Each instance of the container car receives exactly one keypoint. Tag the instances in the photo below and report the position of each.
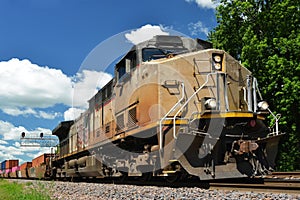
(14, 172)
(9, 164)
(24, 169)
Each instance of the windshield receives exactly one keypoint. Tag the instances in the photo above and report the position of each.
(155, 53)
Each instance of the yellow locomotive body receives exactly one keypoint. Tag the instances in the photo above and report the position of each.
(176, 107)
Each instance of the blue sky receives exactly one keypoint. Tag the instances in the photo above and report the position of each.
(46, 48)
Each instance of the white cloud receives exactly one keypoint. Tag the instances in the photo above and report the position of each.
(14, 111)
(144, 33)
(3, 142)
(72, 113)
(21, 153)
(197, 28)
(205, 3)
(17, 144)
(11, 132)
(26, 87)
(37, 152)
(86, 85)
(45, 115)
(24, 84)
(13, 150)
(10, 143)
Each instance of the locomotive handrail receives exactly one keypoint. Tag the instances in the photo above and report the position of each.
(254, 94)
(249, 94)
(188, 100)
(276, 117)
(166, 115)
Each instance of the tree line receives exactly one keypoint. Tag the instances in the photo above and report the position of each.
(265, 36)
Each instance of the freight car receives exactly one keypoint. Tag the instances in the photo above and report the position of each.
(24, 169)
(9, 168)
(40, 166)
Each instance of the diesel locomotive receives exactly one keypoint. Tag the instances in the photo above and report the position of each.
(175, 108)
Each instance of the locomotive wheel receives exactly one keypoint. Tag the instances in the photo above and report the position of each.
(145, 177)
(173, 178)
(124, 177)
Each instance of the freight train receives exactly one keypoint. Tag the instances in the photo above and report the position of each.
(38, 168)
(175, 108)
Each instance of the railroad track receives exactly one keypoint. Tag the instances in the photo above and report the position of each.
(285, 175)
(278, 182)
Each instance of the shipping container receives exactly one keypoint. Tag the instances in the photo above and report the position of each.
(7, 171)
(14, 172)
(41, 159)
(26, 165)
(11, 163)
(16, 168)
(24, 173)
(31, 172)
(40, 172)
(3, 165)
(19, 174)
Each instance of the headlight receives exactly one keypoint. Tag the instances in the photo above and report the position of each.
(210, 104)
(217, 58)
(217, 61)
(263, 105)
(217, 66)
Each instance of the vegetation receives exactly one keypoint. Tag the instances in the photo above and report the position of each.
(265, 36)
(16, 191)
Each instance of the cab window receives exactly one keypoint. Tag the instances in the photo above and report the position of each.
(126, 65)
(152, 54)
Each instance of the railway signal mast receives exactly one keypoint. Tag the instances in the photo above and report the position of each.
(35, 141)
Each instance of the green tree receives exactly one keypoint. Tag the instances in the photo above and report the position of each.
(265, 36)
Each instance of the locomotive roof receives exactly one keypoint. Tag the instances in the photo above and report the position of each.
(174, 42)
(179, 43)
(62, 129)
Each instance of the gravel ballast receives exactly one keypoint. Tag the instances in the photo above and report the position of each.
(72, 191)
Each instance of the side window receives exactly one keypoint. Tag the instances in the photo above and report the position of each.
(120, 122)
(121, 71)
(126, 65)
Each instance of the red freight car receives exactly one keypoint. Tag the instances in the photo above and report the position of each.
(39, 166)
(24, 169)
(41, 159)
(14, 172)
(11, 163)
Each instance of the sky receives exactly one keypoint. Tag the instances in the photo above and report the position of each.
(56, 54)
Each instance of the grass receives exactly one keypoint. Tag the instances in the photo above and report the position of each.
(21, 191)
